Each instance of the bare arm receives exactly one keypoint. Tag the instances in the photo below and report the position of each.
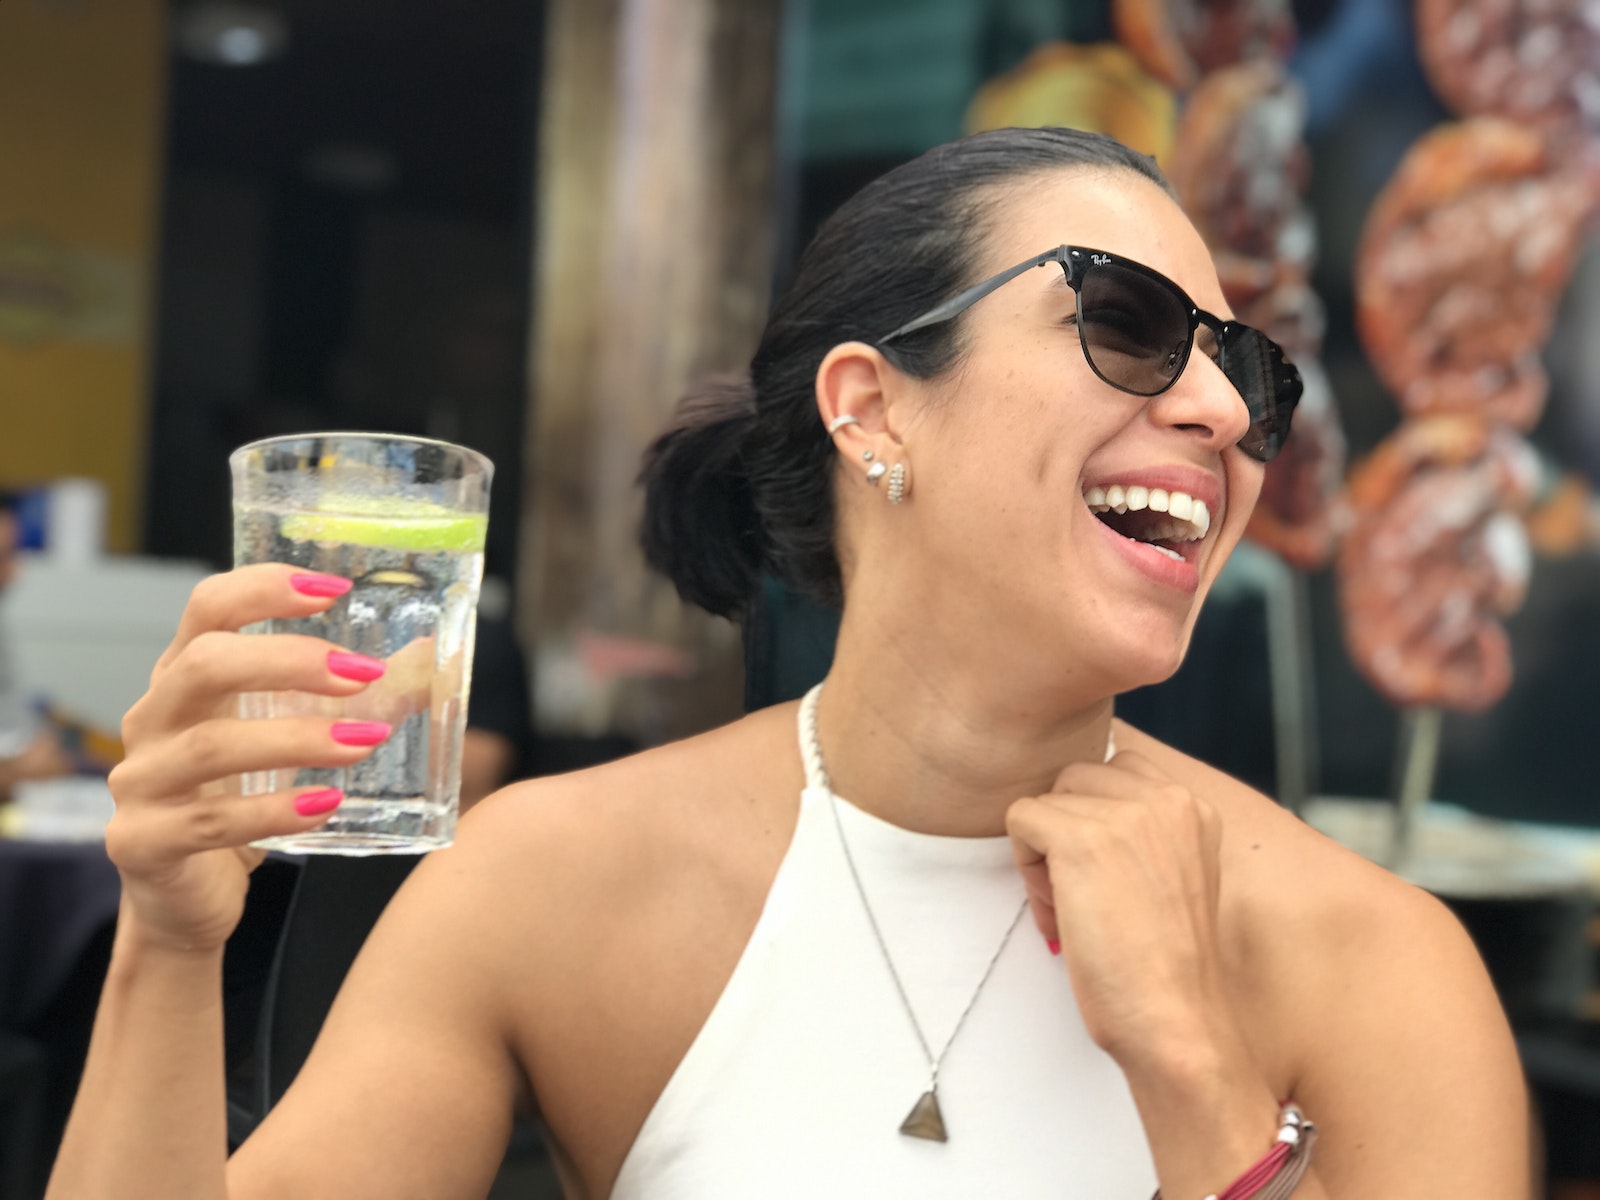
(151, 1111)
(1367, 1002)
(410, 1089)
(1410, 1065)
(149, 1121)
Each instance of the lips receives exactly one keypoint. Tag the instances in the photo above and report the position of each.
(1157, 519)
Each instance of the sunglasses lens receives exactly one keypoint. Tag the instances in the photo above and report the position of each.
(1135, 330)
(1269, 384)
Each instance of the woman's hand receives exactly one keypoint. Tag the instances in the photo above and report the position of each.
(181, 833)
(1121, 865)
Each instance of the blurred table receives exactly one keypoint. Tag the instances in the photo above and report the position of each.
(58, 891)
(55, 897)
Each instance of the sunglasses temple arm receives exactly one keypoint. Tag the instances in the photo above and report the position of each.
(962, 301)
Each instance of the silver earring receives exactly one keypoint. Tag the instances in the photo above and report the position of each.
(841, 421)
(867, 456)
(876, 472)
(897, 483)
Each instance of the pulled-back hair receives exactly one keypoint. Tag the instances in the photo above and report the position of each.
(741, 481)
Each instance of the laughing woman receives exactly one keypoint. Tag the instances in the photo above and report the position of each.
(946, 928)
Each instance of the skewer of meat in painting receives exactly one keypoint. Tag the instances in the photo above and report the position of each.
(1464, 258)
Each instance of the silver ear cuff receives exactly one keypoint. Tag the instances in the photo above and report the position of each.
(841, 421)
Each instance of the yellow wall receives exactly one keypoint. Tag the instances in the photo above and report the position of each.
(82, 90)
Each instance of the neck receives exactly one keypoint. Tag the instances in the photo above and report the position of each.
(930, 746)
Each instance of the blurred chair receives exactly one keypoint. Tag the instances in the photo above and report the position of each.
(334, 904)
(23, 1065)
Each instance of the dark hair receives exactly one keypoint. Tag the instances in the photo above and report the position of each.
(741, 481)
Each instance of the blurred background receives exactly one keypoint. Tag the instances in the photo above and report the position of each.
(525, 226)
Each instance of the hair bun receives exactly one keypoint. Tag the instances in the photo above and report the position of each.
(700, 525)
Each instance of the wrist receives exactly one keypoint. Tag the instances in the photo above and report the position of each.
(1207, 1108)
(139, 943)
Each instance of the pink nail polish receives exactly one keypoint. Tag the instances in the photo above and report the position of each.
(360, 733)
(355, 666)
(314, 804)
(320, 585)
(1053, 944)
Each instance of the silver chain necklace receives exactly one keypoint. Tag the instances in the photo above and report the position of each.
(925, 1120)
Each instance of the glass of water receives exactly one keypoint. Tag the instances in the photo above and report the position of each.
(404, 520)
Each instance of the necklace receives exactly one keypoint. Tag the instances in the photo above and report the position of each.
(925, 1120)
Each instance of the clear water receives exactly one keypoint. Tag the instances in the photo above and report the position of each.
(414, 609)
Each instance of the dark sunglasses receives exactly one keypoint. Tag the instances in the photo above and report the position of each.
(1137, 329)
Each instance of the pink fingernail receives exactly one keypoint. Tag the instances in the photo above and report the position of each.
(320, 585)
(314, 804)
(360, 733)
(355, 666)
(1054, 945)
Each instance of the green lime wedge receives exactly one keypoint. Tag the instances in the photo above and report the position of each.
(456, 533)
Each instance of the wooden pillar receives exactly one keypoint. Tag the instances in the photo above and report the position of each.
(654, 261)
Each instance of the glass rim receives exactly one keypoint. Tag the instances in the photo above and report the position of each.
(477, 457)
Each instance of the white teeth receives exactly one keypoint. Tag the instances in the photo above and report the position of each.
(1191, 518)
(1172, 554)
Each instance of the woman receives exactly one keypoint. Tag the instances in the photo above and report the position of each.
(1092, 964)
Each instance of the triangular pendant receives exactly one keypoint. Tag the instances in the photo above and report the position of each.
(926, 1121)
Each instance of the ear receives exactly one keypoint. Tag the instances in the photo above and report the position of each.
(855, 380)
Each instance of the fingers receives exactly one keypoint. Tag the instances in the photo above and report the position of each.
(225, 746)
(245, 595)
(215, 665)
(1031, 824)
(1127, 773)
(145, 839)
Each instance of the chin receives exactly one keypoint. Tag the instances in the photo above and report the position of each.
(1140, 657)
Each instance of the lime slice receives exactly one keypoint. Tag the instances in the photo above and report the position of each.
(439, 531)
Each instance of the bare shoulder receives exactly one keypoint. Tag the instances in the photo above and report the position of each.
(1274, 861)
(688, 806)
(1368, 998)
(622, 898)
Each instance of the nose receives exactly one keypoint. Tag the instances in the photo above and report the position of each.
(1203, 403)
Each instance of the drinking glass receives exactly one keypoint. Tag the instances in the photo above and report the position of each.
(404, 520)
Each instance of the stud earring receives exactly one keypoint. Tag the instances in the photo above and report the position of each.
(867, 456)
(876, 472)
(897, 483)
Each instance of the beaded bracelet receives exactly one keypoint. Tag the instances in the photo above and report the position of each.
(1275, 1175)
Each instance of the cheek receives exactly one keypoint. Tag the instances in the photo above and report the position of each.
(1245, 477)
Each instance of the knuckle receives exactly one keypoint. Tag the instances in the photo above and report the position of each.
(133, 722)
(205, 746)
(206, 595)
(120, 840)
(208, 825)
(204, 659)
(121, 779)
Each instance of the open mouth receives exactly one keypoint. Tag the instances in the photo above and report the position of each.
(1171, 522)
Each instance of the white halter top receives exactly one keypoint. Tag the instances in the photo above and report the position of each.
(796, 1085)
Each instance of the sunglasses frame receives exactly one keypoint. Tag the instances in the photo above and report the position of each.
(1077, 263)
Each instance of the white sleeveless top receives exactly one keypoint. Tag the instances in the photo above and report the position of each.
(796, 1085)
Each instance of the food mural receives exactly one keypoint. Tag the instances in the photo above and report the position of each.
(1463, 261)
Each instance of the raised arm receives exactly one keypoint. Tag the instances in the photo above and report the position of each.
(150, 1117)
